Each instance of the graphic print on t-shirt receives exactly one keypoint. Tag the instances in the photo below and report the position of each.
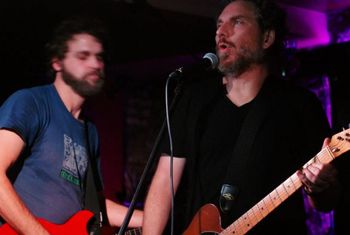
(75, 161)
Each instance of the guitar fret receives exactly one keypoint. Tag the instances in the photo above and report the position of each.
(240, 224)
(235, 228)
(251, 218)
(262, 209)
(265, 206)
(318, 158)
(257, 211)
(248, 223)
(291, 180)
(273, 199)
(286, 191)
(278, 194)
(329, 155)
(244, 224)
(282, 192)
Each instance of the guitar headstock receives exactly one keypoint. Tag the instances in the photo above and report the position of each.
(340, 143)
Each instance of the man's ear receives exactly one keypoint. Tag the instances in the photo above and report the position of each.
(269, 38)
(56, 64)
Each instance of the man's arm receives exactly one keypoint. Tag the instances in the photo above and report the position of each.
(116, 214)
(12, 209)
(157, 206)
(321, 184)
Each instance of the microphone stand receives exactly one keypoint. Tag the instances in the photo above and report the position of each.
(176, 74)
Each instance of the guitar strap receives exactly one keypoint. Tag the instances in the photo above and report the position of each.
(91, 200)
(238, 164)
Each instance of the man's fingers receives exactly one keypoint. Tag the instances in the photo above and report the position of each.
(326, 142)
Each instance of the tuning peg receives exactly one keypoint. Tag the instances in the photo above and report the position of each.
(333, 150)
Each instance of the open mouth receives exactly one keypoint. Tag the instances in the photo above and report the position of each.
(222, 45)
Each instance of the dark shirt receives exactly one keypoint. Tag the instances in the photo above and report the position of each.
(205, 129)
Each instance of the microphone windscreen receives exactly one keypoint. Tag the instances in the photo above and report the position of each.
(214, 61)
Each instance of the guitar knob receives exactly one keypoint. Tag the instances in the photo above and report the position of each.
(333, 150)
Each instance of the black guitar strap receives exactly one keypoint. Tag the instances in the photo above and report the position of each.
(238, 164)
(91, 200)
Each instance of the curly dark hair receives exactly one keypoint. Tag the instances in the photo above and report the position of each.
(270, 16)
(66, 30)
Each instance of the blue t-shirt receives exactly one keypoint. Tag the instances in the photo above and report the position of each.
(55, 160)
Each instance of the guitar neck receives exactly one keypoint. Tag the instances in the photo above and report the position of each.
(264, 207)
(135, 231)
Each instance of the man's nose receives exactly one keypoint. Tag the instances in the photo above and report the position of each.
(96, 62)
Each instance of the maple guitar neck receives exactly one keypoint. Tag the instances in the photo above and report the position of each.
(265, 206)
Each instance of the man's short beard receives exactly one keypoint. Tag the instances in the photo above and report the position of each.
(244, 60)
(83, 87)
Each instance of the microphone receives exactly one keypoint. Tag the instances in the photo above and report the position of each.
(208, 62)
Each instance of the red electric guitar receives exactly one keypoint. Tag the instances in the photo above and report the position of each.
(207, 219)
(76, 225)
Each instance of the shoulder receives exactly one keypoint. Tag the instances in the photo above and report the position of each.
(26, 104)
(29, 94)
(40, 92)
(203, 88)
(292, 93)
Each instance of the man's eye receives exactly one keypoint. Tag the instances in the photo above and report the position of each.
(82, 57)
(238, 21)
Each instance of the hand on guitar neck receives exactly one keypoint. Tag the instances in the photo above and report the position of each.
(320, 183)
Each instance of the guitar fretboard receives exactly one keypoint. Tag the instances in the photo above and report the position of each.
(135, 231)
(264, 207)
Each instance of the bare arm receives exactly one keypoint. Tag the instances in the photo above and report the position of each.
(157, 206)
(12, 209)
(321, 184)
(117, 212)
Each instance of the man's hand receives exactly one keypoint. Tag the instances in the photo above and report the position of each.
(321, 183)
(318, 177)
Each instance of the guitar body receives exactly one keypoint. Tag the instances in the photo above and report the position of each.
(76, 225)
(206, 221)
